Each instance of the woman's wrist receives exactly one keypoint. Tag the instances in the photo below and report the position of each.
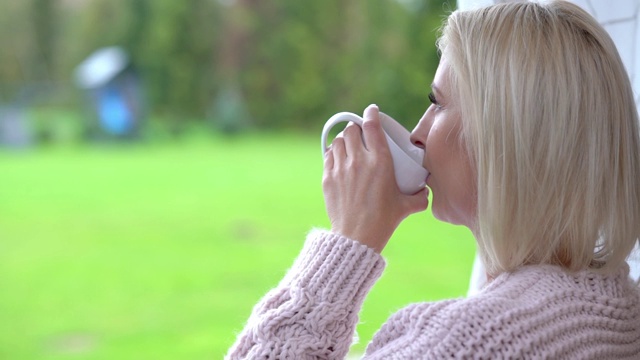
(373, 238)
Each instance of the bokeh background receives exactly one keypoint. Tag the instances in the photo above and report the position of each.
(161, 166)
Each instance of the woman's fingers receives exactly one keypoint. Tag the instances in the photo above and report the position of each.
(328, 160)
(363, 201)
(372, 130)
(353, 140)
(338, 151)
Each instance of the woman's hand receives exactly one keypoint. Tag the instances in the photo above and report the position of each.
(361, 195)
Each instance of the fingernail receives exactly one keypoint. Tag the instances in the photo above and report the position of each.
(372, 107)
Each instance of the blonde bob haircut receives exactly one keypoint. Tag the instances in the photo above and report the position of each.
(552, 130)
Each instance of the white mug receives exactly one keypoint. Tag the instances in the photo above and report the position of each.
(407, 158)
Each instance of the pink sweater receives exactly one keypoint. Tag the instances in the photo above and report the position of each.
(535, 312)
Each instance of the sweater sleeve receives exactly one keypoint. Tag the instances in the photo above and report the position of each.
(313, 312)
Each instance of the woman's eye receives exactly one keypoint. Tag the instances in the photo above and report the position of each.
(433, 100)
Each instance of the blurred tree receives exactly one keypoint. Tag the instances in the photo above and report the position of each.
(288, 63)
(309, 60)
(44, 21)
(413, 73)
(230, 111)
(178, 54)
(302, 59)
(170, 44)
(135, 36)
(17, 49)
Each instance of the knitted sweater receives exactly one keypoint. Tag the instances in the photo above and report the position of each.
(535, 312)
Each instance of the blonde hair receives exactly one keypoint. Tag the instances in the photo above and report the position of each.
(551, 126)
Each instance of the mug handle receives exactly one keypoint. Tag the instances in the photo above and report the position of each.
(335, 119)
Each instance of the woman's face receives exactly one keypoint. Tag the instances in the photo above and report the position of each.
(452, 180)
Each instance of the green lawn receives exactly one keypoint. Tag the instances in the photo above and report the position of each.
(160, 251)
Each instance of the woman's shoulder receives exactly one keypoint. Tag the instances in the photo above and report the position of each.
(532, 283)
(535, 311)
(545, 298)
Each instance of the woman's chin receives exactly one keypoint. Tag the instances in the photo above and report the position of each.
(438, 213)
(445, 216)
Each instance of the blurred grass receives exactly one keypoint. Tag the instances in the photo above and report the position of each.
(159, 251)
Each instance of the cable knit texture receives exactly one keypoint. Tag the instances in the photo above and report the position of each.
(537, 312)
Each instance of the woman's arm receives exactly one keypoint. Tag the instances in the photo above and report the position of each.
(313, 312)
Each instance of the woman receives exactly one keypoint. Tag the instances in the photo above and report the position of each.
(532, 142)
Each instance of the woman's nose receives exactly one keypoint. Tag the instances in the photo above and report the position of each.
(419, 134)
(415, 140)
